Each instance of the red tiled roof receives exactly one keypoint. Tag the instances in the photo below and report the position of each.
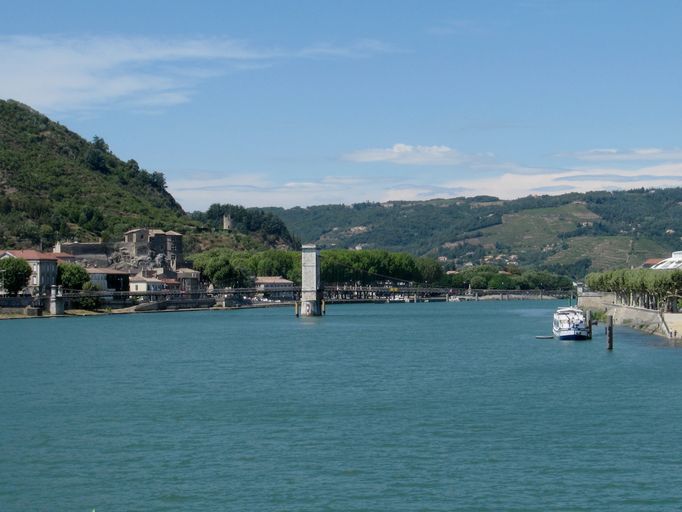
(30, 254)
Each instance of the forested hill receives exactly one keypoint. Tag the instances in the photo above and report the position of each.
(55, 185)
(573, 232)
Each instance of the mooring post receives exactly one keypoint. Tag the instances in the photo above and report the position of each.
(609, 332)
(296, 308)
(589, 324)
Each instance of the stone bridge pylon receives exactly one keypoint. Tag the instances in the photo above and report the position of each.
(311, 286)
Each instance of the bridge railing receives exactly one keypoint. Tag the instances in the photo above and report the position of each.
(329, 291)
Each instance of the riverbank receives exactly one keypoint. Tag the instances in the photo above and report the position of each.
(646, 320)
(132, 311)
(18, 314)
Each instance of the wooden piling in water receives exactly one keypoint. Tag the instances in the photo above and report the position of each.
(589, 324)
(609, 333)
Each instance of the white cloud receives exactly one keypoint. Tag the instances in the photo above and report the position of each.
(359, 49)
(198, 192)
(456, 27)
(623, 155)
(421, 192)
(56, 73)
(511, 185)
(406, 154)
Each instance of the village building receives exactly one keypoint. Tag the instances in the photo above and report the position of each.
(170, 283)
(275, 287)
(151, 243)
(650, 262)
(184, 279)
(190, 279)
(109, 279)
(43, 269)
(88, 254)
(140, 283)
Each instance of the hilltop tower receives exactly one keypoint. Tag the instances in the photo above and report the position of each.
(227, 222)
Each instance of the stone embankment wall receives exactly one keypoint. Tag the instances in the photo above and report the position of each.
(165, 305)
(17, 306)
(638, 318)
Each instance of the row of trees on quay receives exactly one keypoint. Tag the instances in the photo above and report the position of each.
(645, 288)
(491, 277)
(228, 268)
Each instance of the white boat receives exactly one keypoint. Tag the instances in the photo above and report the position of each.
(570, 324)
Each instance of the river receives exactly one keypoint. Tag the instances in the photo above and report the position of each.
(388, 407)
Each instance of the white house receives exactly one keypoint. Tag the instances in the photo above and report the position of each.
(43, 268)
(275, 287)
(140, 283)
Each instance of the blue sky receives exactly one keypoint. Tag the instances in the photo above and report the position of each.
(267, 103)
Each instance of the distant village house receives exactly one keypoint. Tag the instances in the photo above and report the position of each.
(43, 268)
(275, 287)
(109, 279)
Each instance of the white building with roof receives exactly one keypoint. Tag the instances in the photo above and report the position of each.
(43, 268)
(275, 287)
(139, 283)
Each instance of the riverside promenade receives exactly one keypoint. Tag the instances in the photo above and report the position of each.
(668, 325)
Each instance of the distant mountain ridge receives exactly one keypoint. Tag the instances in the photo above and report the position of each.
(571, 233)
(55, 185)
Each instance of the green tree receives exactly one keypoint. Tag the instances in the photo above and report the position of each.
(14, 274)
(96, 160)
(72, 276)
(430, 270)
(501, 282)
(99, 144)
(158, 180)
(90, 302)
(478, 282)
